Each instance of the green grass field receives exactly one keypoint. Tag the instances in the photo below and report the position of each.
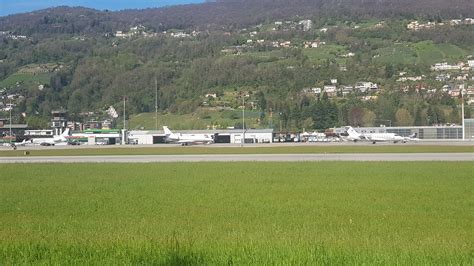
(31, 79)
(425, 52)
(321, 54)
(199, 120)
(237, 213)
(171, 149)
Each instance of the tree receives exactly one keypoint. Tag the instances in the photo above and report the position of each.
(403, 117)
(261, 101)
(389, 71)
(37, 122)
(368, 118)
(356, 116)
(308, 124)
(454, 116)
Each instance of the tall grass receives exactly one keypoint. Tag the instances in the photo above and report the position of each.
(236, 213)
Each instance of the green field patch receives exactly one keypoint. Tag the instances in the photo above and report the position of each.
(401, 213)
(26, 78)
(427, 53)
(202, 119)
(431, 53)
(325, 52)
(171, 149)
(367, 23)
(275, 54)
(396, 54)
(452, 51)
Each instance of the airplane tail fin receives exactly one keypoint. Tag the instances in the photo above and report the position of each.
(66, 132)
(352, 133)
(413, 136)
(169, 134)
(167, 131)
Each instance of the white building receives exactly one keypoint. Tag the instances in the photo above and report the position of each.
(307, 24)
(445, 66)
(232, 136)
(364, 86)
(330, 90)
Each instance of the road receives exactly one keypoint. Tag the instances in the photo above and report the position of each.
(369, 157)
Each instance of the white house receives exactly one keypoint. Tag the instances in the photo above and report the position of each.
(331, 90)
(445, 66)
(364, 86)
(307, 24)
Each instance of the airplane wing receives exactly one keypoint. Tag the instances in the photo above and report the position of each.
(373, 138)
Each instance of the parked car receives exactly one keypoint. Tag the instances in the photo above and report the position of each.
(47, 144)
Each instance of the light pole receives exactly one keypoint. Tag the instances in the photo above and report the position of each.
(124, 133)
(280, 114)
(243, 120)
(156, 104)
(11, 107)
(462, 115)
(124, 100)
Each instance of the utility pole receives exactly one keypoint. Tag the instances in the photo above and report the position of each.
(243, 120)
(156, 104)
(280, 122)
(11, 107)
(462, 115)
(124, 121)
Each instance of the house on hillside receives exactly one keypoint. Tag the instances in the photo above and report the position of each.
(211, 95)
(470, 63)
(307, 24)
(346, 90)
(365, 86)
(330, 90)
(445, 66)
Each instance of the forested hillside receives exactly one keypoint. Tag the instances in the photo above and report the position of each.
(229, 14)
(203, 58)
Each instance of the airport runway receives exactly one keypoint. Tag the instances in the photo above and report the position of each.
(368, 157)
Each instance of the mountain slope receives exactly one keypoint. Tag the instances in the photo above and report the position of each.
(225, 13)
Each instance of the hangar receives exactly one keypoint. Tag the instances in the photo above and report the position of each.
(233, 136)
(424, 132)
(99, 136)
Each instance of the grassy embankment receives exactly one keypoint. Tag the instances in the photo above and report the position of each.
(172, 149)
(237, 213)
(198, 120)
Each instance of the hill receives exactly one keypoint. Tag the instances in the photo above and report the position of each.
(312, 64)
(228, 14)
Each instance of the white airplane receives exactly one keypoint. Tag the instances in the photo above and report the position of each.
(23, 143)
(355, 136)
(187, 139)
(55, 140)
(8, 145)
(412, 137)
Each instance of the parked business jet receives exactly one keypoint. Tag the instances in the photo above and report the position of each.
(55, 140)
(355, 136)
(187, 139)
(412, 137)
(23, 143)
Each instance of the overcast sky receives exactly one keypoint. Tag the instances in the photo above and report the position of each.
(8, 7)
